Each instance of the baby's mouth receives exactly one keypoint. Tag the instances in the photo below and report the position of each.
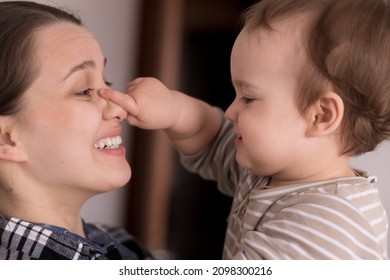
(109, 143)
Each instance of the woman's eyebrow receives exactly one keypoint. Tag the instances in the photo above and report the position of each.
(84, 65)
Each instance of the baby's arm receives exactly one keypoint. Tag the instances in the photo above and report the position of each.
(191, 124)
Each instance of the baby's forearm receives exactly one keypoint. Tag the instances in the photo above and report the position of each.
(197, 124)
(189, 122)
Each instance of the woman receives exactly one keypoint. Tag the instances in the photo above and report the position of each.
(60, 141)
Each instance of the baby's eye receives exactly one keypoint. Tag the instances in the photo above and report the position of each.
(246, 100)
(86, 92)
(109, 84)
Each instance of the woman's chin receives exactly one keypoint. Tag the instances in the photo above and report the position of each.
(118, 178)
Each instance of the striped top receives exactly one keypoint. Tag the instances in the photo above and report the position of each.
(336, 219)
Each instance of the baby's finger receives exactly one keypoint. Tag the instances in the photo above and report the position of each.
(123, 100)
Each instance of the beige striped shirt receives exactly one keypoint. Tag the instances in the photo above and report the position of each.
(335, 219)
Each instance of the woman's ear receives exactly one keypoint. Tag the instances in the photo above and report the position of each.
(325, 115)
(10, 149)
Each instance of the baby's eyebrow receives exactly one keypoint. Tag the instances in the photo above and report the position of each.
(240, 83)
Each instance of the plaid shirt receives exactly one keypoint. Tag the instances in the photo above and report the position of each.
(21, 240)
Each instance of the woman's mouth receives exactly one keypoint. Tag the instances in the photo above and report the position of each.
(109, 143)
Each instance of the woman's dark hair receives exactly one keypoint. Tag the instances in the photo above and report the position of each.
(19, 21)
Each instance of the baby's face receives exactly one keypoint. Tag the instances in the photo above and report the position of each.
(270, 129)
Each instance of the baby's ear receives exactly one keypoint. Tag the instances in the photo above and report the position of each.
(325, 115)
(10, 149)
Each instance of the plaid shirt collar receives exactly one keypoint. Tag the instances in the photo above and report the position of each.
(24, 240)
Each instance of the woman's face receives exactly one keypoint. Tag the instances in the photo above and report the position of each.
(64, 123)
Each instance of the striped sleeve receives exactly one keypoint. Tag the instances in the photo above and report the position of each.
(217, 162)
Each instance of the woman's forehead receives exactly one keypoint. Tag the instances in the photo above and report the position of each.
(63, 46)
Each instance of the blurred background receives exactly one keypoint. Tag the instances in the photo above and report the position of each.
(186, 44)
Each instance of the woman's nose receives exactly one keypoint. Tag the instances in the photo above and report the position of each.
(113, 111)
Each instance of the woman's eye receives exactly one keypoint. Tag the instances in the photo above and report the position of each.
(246, 100)
(86, 92)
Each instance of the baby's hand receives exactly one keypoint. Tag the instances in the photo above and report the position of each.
(148, 102)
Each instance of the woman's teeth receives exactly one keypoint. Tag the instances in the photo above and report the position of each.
(109, 143)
